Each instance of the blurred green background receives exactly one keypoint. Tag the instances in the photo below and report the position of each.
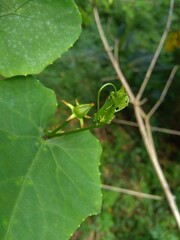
(136, 26)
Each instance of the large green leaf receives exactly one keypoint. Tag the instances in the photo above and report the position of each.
(33, 33)
(47, 187)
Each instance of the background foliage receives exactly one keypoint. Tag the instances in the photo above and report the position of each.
(138, 26)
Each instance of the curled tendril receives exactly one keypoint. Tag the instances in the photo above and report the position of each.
(100, 90)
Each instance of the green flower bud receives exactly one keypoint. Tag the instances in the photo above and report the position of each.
(81, 110)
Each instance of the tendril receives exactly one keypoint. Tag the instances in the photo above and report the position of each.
(99, 93)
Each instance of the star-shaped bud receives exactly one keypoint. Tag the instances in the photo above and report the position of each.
(79, 111)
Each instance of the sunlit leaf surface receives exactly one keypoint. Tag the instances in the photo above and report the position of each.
(33, 33)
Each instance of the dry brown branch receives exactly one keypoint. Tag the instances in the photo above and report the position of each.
(164, 92)
(110, 78)
(153, 128)
(141, 117)
(148, 141)
(130, 192)
(158, 51)
(116, 49)
(114, 63)
(165, 130)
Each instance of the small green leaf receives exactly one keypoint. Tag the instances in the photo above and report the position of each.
(35, 33)
(47, 187)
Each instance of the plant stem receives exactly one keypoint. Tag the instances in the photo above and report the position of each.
(72, 132)
(58, 128)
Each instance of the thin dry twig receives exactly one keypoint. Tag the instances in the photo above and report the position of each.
(165, 130)
(114, 63)
(110, 78)
(164, 92)
(130, 192)
(157, 53)
(116, 49)
(153, 128)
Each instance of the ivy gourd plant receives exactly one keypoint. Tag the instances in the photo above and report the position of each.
(115, 102)
(49, 182)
